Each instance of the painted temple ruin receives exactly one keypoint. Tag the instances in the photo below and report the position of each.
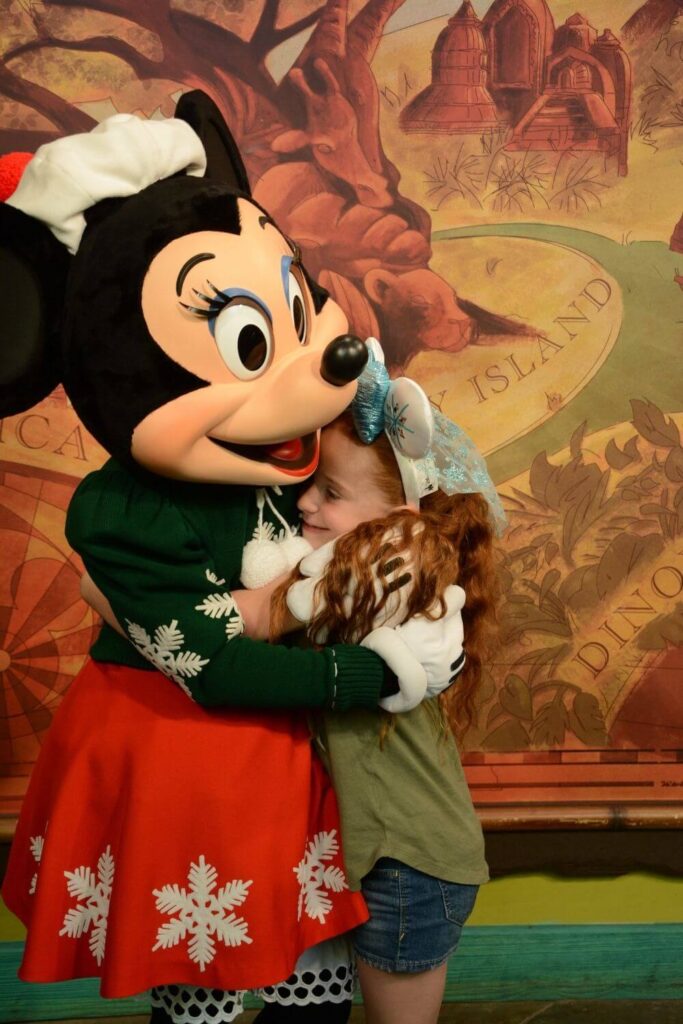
(556, 88)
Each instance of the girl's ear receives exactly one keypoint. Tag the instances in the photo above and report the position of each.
(33, 271)
(224, 162)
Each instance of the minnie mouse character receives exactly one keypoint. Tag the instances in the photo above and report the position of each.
(160, 843)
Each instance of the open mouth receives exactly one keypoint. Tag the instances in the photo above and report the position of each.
(298, 456)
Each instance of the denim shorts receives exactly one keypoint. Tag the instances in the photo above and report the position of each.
(415, 919)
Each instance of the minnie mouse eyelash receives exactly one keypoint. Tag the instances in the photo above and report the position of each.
(217, 302)
(297, 259)
(221, 300)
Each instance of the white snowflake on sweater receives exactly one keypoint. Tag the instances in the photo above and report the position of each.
(219, 606)
(90, 914)
(267, 531)
(314, 877)
(213, 578)
(202, 914)
(164, 651)
(36, 843)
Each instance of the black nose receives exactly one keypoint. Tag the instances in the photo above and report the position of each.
(343, 360)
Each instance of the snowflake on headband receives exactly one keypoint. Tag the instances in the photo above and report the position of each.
(396, 420)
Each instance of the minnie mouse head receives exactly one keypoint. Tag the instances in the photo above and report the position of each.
(184, 327)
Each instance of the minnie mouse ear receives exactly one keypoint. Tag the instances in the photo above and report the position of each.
(33, 269)
(224, 162)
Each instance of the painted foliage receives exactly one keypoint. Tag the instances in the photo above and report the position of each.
(493, 189)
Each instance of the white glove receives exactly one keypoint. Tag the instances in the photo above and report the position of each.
(300, 595)
(316, 561)
(424, 655)
(392, 570)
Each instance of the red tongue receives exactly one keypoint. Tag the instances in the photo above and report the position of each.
(287, 451)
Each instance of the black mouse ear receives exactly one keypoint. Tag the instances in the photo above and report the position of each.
(33, 270)
(224, 162)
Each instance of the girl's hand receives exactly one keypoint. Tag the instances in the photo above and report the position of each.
(301, 595)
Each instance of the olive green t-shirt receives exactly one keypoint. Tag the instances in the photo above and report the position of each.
(407, 799)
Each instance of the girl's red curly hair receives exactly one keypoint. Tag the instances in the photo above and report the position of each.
(450, 540)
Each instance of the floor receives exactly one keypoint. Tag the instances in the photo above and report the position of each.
(631, 1012)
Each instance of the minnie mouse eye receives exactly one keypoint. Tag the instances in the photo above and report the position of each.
(244, 338)
(297, 306)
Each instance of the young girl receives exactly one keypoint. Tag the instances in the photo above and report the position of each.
(412, 841)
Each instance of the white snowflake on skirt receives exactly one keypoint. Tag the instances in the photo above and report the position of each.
(36, 843)
(202, 914)
(314, 877)
(91, 914)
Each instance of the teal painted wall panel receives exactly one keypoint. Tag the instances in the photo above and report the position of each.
(554, 962)
(507, 963)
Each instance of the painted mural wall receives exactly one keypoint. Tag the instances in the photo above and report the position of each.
(494, 190)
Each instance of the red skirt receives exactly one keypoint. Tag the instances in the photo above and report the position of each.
(161, 843)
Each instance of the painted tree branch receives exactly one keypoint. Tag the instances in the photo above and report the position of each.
(365, 30)
(193, 48)
(63, 115)
(222, 49)
(119, 8)
(329, 35)
(152, 14)
(181, 60)
(266, 36)
(143, 66)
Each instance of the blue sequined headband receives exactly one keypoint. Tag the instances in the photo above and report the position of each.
(432, 452)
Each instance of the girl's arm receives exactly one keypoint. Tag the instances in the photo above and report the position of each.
(255, 606)
(93, 596)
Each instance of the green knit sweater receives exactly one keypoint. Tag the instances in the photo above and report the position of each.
(166, 554)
